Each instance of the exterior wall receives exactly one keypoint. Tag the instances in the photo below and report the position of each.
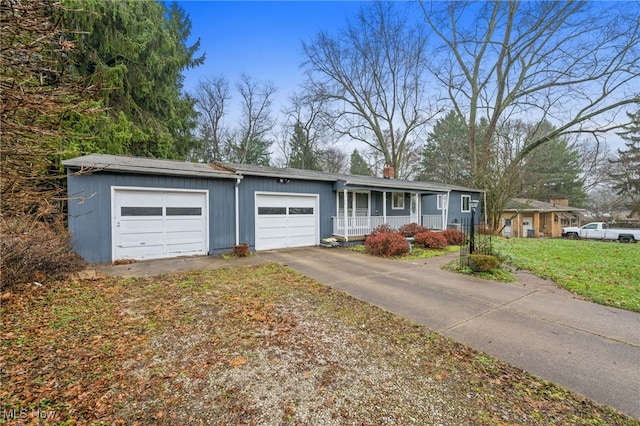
(377, 204)
(455, 213)
(252, 184)
(544, 223)
(90, 209)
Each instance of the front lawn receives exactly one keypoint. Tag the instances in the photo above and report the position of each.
(250, 345)
(604, 272)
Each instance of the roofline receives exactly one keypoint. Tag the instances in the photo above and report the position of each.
(141, 165)
(97, 163)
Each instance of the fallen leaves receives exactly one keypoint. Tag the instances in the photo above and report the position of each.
(245, 346)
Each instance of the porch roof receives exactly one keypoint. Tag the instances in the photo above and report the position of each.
(377, 183)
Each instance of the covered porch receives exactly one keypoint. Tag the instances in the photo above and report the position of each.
(366, 210)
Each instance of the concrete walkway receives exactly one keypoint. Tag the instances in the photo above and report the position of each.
(590, 349)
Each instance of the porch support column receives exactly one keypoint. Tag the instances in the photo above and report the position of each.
(346, 215)
(384, 206)
(446, 210)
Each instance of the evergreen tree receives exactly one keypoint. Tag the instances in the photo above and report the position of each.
(627, 165)
(358, 165)
(302, 153)
(553, 170)
(445, 157)
(134, 52)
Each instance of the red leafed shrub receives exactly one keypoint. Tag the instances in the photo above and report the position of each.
(454, 237)
(386, 244)
(411, 229)
(383, 229)
(432, 240)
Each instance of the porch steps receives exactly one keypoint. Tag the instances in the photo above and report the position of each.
(351, 238)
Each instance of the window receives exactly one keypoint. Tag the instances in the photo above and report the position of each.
(507, 222)
(184, 211)
(442, 201)
(300, 210)
(397, 201)
(358, 206)
(272, 210)
(141, 211)
(466, 203)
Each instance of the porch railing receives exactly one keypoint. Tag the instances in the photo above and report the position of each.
(363, 225)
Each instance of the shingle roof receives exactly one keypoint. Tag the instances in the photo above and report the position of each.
(348, 180)
(525, 204)
(116, 163)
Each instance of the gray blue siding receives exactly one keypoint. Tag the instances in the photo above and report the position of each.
(252, 184)
(90, 209)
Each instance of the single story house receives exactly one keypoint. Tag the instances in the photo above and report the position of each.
(523, 217)
(142, 208)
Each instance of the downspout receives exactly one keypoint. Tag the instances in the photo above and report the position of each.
(346, 215)
(237, 209)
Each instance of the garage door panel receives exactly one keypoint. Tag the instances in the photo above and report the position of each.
(150, 224)
(285, 220)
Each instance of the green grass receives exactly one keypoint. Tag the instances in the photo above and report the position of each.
(604, 272)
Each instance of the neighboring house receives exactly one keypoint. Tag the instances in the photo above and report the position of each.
(142, 208)
(531, 218)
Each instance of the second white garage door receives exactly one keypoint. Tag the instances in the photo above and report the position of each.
(286, 220)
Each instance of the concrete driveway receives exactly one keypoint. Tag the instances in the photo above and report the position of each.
(590, 349)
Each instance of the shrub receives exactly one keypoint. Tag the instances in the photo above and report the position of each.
(454, 237)
(386, 244)
(411, 229)
(383, 229)
(430, 239)
(36, 252)
(483, 262)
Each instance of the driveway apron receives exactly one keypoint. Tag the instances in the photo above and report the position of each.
(590, 349)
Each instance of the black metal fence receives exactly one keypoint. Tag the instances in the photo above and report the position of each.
(478, 240)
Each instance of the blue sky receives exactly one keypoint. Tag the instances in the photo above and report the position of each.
(260, 38)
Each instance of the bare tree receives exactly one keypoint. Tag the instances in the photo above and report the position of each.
(212, 96)
(333, 160)
(305, 130)
(252, 142)
(372, 74)
(574, 64)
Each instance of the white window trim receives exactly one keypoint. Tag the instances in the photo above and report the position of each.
(393, 200)
(339, 199)
(440, 202)
(468, 203)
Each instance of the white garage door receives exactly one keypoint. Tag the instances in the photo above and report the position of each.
(286, 221)
(153, 224)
